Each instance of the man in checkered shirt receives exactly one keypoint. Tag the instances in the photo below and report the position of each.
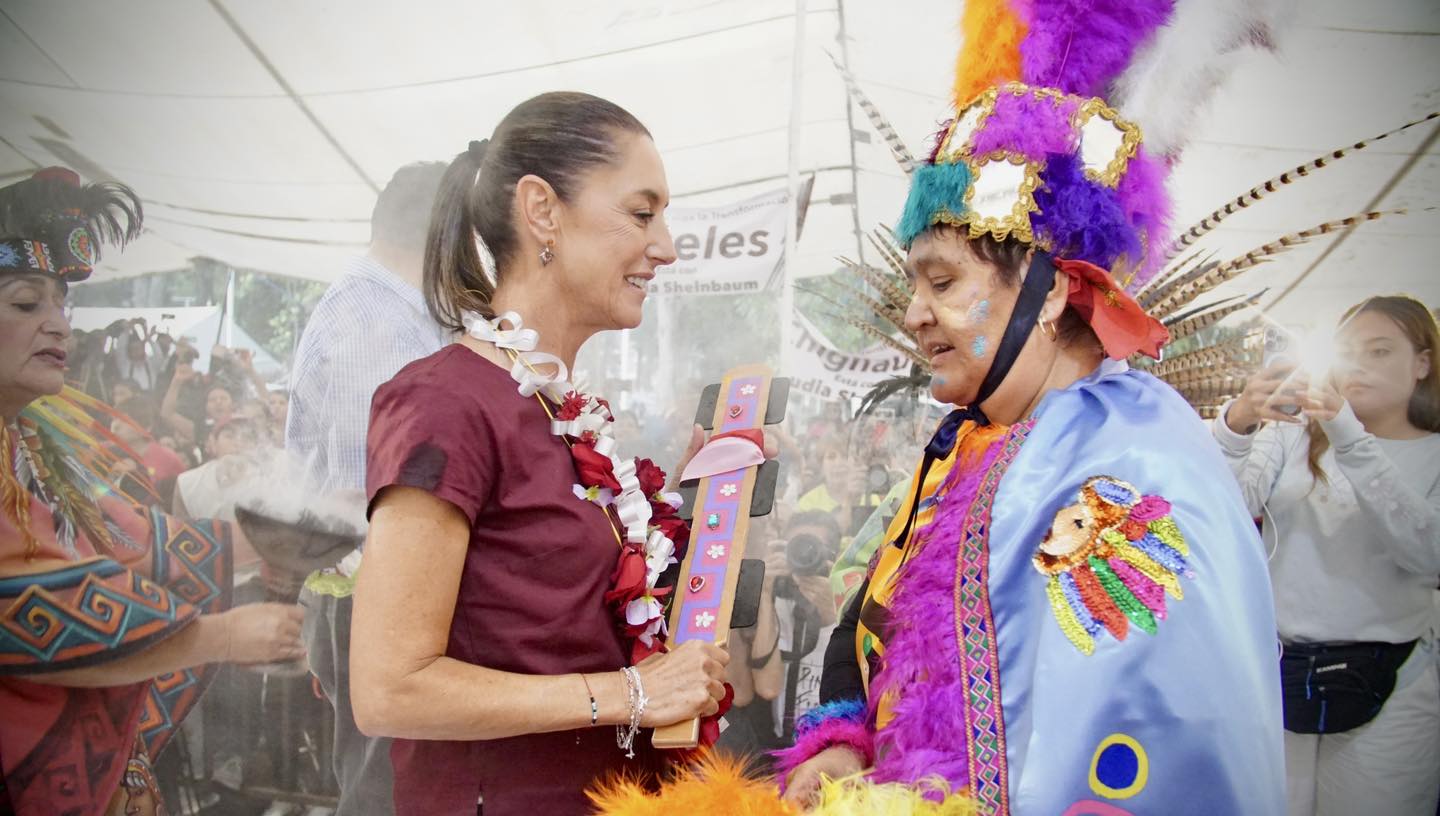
(368, 325)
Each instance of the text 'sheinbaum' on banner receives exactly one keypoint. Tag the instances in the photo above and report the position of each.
(816, 367)
(725, 250)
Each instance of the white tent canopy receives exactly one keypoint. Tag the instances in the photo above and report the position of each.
(258, 132)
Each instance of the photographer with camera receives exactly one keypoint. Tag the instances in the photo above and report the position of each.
(131, 357)
(195, 403)
(797, 588)
(775, 665)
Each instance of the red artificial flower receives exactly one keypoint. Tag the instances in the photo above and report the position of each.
(593, 469)
(676, 529)
(710, 726)
(652, 478)
(572, 406)
(639, 651)
(628, 579)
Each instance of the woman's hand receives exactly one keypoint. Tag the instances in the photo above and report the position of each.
(1277, 385)
(1323, 402)
(697, 441)
(802, 788)
(771, 449)
(816, 590)
(263, 633)
(684, 683)
(777, 565)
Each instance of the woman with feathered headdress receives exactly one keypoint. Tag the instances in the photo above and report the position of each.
(1072, 612)
(110, 610)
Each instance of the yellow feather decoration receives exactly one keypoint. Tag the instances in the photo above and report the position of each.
(844, 797)
(720, 785)
(990, 35)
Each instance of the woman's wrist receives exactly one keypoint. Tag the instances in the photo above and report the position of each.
(612, 701)
(1239, 421)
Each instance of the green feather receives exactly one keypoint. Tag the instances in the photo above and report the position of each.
(934, 189)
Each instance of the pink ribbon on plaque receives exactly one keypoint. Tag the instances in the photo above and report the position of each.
(726, 452)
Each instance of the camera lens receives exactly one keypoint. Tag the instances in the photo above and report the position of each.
(806, 555)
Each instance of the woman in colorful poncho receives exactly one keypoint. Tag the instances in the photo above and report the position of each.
(109, 610)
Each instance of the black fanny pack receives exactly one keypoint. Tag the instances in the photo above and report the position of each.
(1330, 688)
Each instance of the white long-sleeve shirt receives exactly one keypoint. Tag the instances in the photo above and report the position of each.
(369, 324)
(1354, 560)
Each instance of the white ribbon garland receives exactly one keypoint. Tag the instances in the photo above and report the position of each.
(631, 504)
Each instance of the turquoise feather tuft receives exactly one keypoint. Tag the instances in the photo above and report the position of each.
(934, 189)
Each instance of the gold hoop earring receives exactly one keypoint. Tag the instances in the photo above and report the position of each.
(547, 254)
(1049, 328)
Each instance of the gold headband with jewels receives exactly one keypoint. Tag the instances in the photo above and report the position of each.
(1036, 165)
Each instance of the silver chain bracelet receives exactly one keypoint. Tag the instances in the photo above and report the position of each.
(625, 736)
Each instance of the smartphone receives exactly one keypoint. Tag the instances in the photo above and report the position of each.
(1280, 348)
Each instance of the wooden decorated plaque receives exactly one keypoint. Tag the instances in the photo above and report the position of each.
(720, 521)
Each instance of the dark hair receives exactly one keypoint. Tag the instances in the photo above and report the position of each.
(555, 136)
(401, 216)
(1418, 325)
(816, 518)
(1008, 258)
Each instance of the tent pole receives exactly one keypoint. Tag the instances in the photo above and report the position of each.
(850, 124)
(792, 231)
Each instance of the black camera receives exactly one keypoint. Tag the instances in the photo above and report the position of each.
(807, 555)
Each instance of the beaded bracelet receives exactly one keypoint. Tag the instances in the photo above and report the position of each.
(594, 707)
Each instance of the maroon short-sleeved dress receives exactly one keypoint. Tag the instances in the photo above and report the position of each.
(532, 594)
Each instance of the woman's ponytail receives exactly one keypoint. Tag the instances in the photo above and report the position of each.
(455, 278)
(557, 136)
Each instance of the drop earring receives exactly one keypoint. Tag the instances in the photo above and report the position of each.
(547, 254)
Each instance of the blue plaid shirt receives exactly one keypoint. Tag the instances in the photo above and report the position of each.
(368, 325)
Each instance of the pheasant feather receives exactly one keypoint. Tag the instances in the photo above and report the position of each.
(1263, 189)
(1205, 319)
(1204, 280)
(877, 120)
(913, 355)
(886, 284)
(1161, 283)
(880, 310)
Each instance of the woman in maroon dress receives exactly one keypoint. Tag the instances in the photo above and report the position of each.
(485, 637)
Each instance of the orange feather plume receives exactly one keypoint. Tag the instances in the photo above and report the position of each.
(990, 33)
(719, 785)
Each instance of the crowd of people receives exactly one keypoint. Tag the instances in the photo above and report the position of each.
(1046, 581)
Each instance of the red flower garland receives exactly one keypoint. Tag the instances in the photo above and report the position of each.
(628, 580)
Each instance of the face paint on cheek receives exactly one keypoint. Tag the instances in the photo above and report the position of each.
(937, 380)
(979, 311)
(978, 346)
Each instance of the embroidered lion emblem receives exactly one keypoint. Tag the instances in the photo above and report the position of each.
(1111, 558)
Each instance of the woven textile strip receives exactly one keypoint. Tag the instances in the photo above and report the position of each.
(975, 633)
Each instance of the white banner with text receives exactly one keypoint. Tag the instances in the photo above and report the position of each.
(726, 250)
(816, 367)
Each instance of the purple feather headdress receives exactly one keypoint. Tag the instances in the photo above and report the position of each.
(1046, 159)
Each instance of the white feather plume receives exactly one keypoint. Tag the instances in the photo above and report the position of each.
(1173, 76)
